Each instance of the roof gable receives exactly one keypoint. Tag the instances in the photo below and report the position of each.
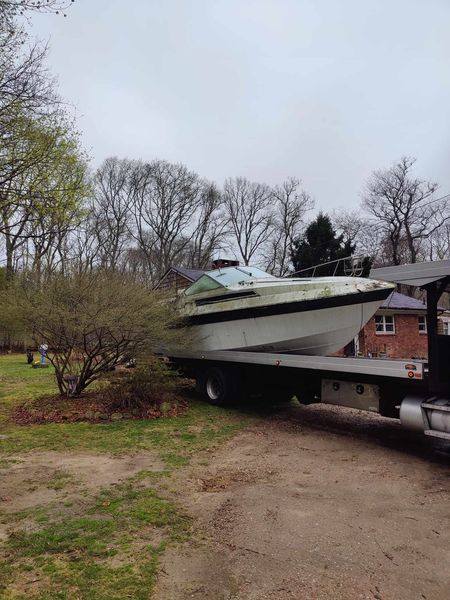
(191, 274)
(397, 301)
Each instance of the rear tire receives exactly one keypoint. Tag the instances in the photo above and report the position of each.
(219, 386)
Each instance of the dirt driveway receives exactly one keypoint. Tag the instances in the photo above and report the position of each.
(315, 503)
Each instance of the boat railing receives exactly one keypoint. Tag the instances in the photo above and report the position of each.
(350, 266)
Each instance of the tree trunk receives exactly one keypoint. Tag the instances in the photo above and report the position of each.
(9, 259)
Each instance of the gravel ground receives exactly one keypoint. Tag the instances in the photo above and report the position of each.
(312, 503)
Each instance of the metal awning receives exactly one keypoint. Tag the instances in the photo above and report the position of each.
(434, 277)
(417, 274)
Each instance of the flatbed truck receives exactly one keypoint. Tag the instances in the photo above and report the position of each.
(415, 391)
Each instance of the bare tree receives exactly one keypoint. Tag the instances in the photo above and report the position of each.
(25, 85)
(438, 247)
(166, 199)
(138, 265)
(249, 210)
(291, 206)
(112, 210)
(349, 223)
(210, 230)
(12, 8)
(144, 217)
(47, 244)
(403, 208)
(82, 251)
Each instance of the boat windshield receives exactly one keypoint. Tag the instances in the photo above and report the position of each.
(221, 278)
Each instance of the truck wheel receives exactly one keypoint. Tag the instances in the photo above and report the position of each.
(219, 386)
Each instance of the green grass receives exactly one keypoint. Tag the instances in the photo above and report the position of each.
(73, 557)
(165, 436)
(175, 438)
(108, 546)
(59, 480)
(20, 382)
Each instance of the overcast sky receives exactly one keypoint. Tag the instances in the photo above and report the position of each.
(324, 90)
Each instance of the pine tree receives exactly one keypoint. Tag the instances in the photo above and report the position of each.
(320, 244)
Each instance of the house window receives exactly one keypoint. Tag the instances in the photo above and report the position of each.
(384, 324)
(446, 327)
(422, 325)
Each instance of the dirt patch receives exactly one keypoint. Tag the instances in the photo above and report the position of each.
(316, 503)
(41, 478)
(3, 533)
(227, 478)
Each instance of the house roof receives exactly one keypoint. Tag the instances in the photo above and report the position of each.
(397, 301)
(191, 274)
(401, 302)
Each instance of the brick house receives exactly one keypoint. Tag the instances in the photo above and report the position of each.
(397, 330)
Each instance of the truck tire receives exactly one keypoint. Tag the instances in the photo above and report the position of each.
(219, 386)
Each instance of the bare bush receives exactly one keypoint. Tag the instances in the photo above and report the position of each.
(90, 321)
(151, 384)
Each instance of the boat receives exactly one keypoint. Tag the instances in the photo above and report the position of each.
(245, 308)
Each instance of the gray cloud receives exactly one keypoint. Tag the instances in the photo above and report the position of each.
(323, 90)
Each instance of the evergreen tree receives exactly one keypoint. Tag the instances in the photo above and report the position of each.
(320, 244)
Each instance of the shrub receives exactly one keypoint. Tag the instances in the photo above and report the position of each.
(91, 321)
(151, 384)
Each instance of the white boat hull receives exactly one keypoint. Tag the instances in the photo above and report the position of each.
(317, 332)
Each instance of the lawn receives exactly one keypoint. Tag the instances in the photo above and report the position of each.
(84, 541)
(19, 382)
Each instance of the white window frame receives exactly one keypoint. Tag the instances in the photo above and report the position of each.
(422, 321)
(446, 327)
(381, 320)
